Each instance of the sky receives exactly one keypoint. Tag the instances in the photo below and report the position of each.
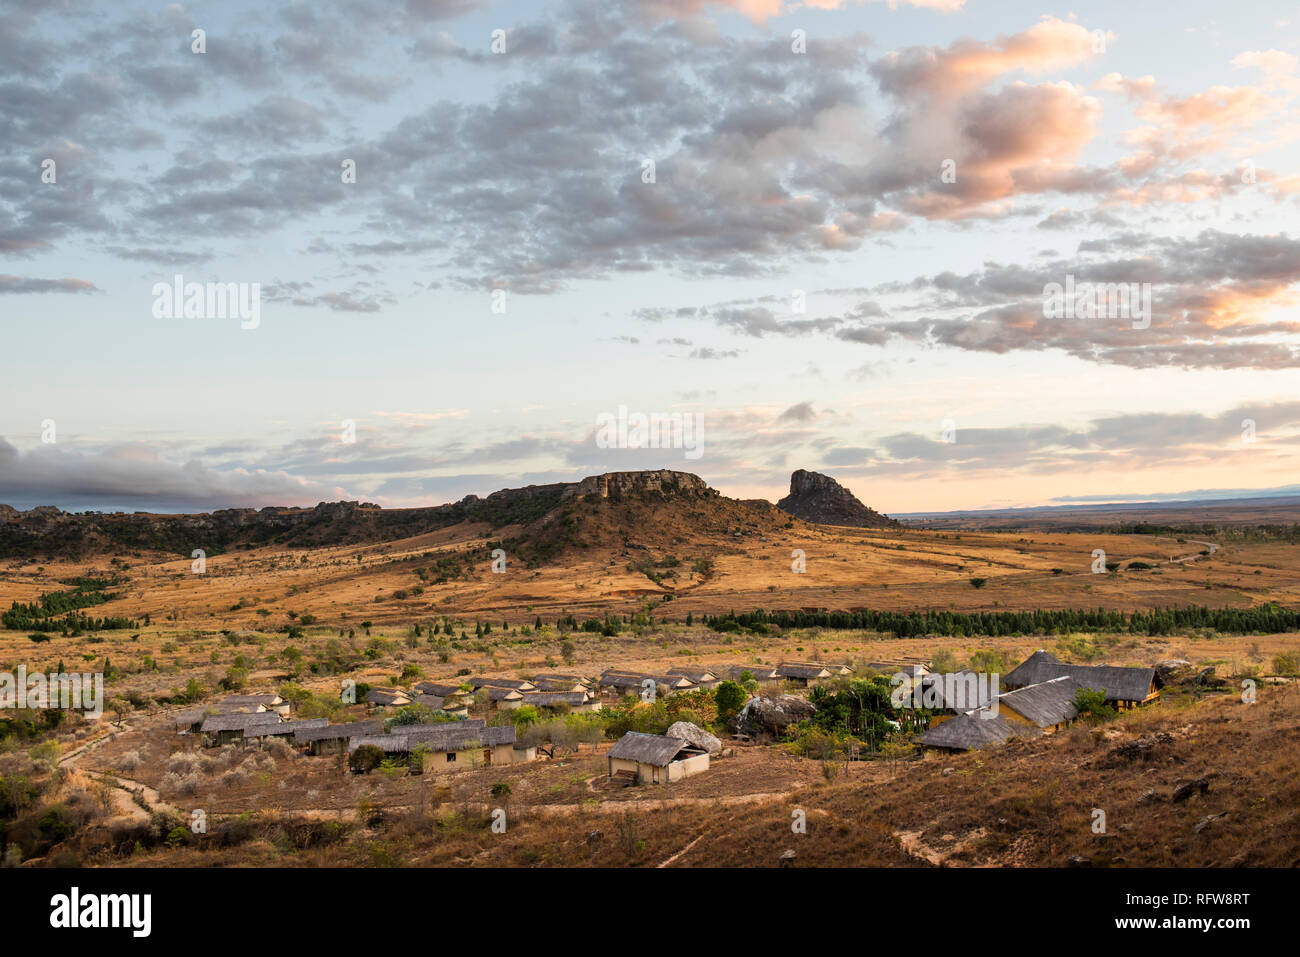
(824, 231)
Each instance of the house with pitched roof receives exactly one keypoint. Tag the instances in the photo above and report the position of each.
(1048, 705)
(219, 729)
(445, 747)
(655, 759)
(803, 673)
(1124, 688)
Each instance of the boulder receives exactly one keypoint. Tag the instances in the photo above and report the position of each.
(769, 717)
(1174, 669)
(1146, 748)
(1208, 679)
(694, 734)
(1184, 791)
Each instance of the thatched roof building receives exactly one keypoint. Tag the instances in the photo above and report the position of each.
(975, 730)
(1047, 705)
(655, 758)
(1124, 687)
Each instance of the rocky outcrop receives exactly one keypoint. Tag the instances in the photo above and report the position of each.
(661, 483)
(694, 734)
(769, 717)
(1173, 670)
(820, 499)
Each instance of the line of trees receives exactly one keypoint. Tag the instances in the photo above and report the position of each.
(1263, 619)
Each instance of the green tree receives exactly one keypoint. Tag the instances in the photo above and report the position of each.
(730, 698)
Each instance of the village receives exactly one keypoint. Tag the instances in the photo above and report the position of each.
(471, 721)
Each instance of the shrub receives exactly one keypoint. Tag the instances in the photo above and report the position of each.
(1287, 663)
(128, 762)
(1092, 705)
(365, 759)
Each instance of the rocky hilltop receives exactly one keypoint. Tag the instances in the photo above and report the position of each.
(662, 483)
(820, 499)
(48, 531)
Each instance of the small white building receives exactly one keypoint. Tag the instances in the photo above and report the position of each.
(655, 758)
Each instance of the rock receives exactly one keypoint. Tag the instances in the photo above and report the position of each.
(820, 499)
(1204, 822)
(787, 857)
(1174, 669)
(655, 483)
(595, 837)
(1208, 679)
(1078, 861)
(1143, 748)
(1184, 791)
(694, 734)
(1149, 797)
(768, 717)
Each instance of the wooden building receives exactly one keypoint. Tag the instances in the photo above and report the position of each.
(1048, 705)
(284, 729)
(1124, 688)
(619, 683)
(478, 681)
(253, 703)
(763, 674)
(387, 698)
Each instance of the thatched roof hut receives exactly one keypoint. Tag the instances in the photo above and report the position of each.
(1126, 686)
(974, 730)
(1046, 704)
(655, 749)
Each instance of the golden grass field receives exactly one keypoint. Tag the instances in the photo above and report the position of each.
(1024, 804)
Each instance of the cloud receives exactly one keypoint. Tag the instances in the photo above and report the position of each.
(800, 412)
(138, 477)
(24, 285)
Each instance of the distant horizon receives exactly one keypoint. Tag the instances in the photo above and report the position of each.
(1154, 500)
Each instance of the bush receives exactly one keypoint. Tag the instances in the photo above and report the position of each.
(1092, 705)
(730, 698)
(1287, 663)
(365, 759)
(128, 762)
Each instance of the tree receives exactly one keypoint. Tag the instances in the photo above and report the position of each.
(1092, 705)
(730, 698)
(943, 662)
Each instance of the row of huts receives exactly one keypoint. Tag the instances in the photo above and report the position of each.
(1035, 698)
(572, 693)
(617, 682)
(447, 745)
